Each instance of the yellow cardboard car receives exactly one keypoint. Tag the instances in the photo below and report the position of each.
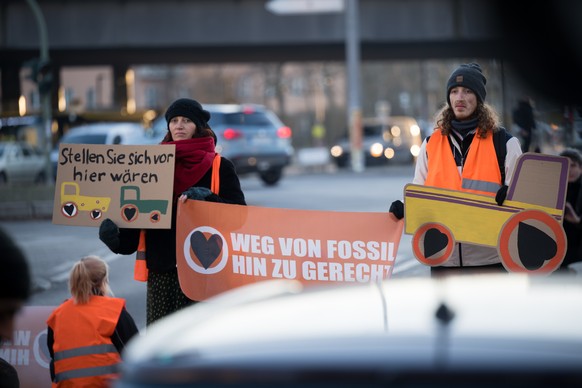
(526, 229)
(72, 202)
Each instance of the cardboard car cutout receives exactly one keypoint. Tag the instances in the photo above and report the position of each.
(526, 230)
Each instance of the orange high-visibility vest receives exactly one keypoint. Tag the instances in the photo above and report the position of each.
(480, 172)
(84, 354)
(140, 269)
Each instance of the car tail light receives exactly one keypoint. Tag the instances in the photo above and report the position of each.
(231, 134)
(284, 132)
(247, 110)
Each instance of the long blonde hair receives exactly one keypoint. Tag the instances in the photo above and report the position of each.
(89, 276)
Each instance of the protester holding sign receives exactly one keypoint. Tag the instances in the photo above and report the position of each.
(87, 333)
(14, 291)
(195, 164)
(470, 152)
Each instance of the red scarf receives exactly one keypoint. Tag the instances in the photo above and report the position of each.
(193, 159)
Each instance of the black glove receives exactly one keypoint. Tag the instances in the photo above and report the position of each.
(109, 234)
(199, 193)
(397, 208)
(501, 194)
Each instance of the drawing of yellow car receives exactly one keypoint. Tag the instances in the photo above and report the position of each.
(72, 202)
(526, 229)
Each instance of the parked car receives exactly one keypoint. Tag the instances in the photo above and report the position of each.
(495, 330)
(250, 135)
(100, 133)
(21, 163)
(395, 139)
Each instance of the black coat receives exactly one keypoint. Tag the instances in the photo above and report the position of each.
(161, 243)
(573, 231)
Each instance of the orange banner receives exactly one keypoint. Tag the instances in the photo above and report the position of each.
(28, 351)
(220, 247)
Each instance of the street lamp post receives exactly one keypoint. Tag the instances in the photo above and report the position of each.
(44, 89)
(353, 72)
(352, 41)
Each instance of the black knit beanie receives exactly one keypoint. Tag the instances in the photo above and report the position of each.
(188, 108)
(15, 282)
(469, 76)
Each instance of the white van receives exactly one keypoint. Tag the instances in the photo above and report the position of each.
(100, 133)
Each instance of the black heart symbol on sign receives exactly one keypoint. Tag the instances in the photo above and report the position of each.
(156, 217)
(206, 250)
(434, 241)
(129, 212)
(534, 246)
(69, 209)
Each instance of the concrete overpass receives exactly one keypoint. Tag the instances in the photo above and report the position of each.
(122, 33)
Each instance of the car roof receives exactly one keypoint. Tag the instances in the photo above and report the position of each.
(464, 323)
(126, 132)
(232, 108)
(105, 127)
(390, 120)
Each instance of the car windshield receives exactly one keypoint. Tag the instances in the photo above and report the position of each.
(239, 118)
(373, 130)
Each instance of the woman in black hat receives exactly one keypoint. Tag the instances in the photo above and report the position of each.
(195, 143)
(468, 151)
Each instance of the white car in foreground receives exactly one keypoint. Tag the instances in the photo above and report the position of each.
(479, 330)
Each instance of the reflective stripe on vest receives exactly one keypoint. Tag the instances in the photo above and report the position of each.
(86, 372)
(84, 351)
(480, 173)
(488, 187)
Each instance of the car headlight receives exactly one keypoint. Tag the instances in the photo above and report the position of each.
(414, 130)
(376, 150)
(415, 150)
(389, 153)
(336, 151)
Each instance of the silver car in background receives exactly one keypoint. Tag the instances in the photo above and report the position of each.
(100, 133)
(395, 139)
(21, 163)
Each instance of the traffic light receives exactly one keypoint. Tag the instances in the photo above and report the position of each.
(41, 73)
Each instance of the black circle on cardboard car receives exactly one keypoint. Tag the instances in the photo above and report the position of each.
(155, 216)
(69, 209)
(129, 212)
(543, 253)
(433, 244)
(95, 214)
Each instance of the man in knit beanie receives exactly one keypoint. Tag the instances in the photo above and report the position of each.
(469, 76)
(469, 151)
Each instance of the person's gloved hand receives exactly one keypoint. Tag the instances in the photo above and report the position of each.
(109, 234)
(199, 193)
(397, 208)
(501, 194)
